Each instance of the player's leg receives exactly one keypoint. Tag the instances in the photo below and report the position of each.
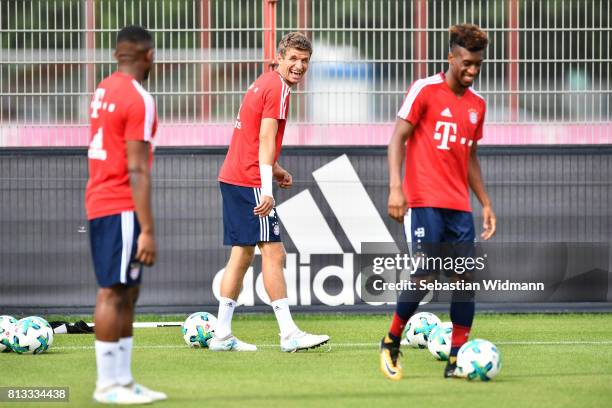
(107, 320)
(124, 360)
(460, 231)
(241, 232)
(111, 256)
(126, 319)
(231, 284)
(423, 228)
(272, 264)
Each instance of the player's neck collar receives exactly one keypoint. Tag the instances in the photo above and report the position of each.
(124, 74)
(281, 77)
(450, 88)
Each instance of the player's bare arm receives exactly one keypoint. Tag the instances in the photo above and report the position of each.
(267, 150)
(478, 187)
(282, 176)
(396, 206)
(140, 182)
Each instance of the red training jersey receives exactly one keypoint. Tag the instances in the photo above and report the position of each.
(267, 97)
(438, 152)
(121, 110)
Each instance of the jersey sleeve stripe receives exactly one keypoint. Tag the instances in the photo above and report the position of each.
(476, 93)
(414, 91)
(283, 102)
(149, 111)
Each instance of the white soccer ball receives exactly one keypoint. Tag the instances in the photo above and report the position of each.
(33, 335)
(418, 328)
(7, 328)
(439, 341)
(198, 329)
(478, 359)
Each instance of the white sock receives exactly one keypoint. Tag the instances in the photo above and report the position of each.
(107, 354)
(224, 317)
(283, 317)
(124, 361)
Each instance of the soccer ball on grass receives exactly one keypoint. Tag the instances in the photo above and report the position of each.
(32, 335)
(419, 327)
(198, 329)
(478, 360)
(439, 340)
(7, 328)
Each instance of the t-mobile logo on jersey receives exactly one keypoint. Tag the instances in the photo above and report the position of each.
(445, 135)
(447, 132)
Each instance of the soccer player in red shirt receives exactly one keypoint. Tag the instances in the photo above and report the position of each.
(439, 125)
(118, 204)
(249, 216)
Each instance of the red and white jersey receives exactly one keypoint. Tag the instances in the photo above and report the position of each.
(267, 97)
(121, 110)
(438, 152)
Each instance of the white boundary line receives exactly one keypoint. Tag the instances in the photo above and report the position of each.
(365, 345)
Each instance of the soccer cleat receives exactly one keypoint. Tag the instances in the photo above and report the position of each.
(389, 359)
(450, 371)
(119, 395)
(230, 343)
(300, 340)
(140, 389)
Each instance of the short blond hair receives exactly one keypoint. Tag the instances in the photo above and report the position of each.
(295, 40)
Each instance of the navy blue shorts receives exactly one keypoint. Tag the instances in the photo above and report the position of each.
(439, 232)
(113, 242)
(240, 226)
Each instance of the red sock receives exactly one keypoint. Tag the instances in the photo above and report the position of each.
(460, 335)
(397, 326)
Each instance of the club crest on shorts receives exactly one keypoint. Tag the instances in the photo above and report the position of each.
(134, 270)
(276, 229)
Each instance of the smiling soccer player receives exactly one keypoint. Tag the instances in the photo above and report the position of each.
(249, 216)
(438, 129)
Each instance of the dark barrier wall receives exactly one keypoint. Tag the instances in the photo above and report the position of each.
(553, 194)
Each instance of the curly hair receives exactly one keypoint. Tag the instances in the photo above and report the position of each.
(295, 40)
(468, 36)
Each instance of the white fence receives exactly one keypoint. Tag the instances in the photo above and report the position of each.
(546, 77)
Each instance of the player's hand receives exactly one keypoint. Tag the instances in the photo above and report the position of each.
(397, 205)
(489, 223)
(284, 178)
(265, 206)
(146, 251)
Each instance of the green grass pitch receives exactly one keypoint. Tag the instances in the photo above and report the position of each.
(548, 361)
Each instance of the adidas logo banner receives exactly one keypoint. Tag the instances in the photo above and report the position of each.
(343, 250)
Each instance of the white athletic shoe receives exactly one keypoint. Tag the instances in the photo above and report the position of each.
(300, 340)
(140, 389)
(117, 394)
(230, 343)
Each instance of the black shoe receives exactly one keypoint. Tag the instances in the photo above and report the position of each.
(80, 327)
(450, 370)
